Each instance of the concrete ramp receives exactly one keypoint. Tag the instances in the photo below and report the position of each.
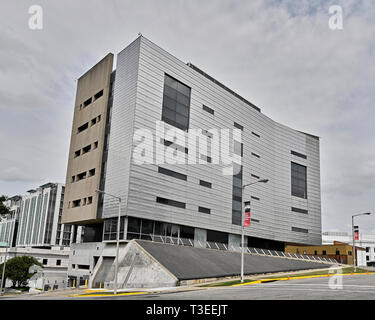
(188, 263)
(136, 269)
(146, 264)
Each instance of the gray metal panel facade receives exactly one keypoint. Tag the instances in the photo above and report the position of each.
(137, 104)
(122, 127)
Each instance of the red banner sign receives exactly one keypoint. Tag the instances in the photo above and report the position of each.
(356, 235)
(247, 219)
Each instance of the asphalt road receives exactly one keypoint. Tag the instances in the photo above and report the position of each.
(354, 287)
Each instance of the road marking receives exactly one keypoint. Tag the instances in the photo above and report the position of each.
(302, 277)
(108, 295)
(316, 284)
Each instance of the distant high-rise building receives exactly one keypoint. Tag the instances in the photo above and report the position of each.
(35, 219)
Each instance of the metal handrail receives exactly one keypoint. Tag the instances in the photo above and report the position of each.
(222, 246)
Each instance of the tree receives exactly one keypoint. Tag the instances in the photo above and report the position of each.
(17, 270)
(3, 208)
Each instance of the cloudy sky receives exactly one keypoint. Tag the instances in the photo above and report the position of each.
(280, 55)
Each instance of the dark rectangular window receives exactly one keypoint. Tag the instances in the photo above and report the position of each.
(217, 236)
(171, 173)
(77, 153)
(237, 195)
(86, 149)
(87, 102)
(255, 155)
(295, 229)
(58, 262)
(238, 126)
(206, 158)
(95, 144)
(238, 148)
(134, 225)
(83, 266)
(299, 210)
(176, 103)
(208, 109)
(98, 95)
(169, 202)
(83, 127)
(255, 134)
(45, 261)
(186, 232)
(174, 145)
(205, 184)
(298, 154)
(91, 172)
(204, 210)
(206, 133)
(81, 176)
(93, 121)
(299, 180)
(89, 200)
(76, 203)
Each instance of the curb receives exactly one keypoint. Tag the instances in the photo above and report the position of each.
(108, 295)
(303, 277)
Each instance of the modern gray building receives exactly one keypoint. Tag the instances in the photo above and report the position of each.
(149, 88)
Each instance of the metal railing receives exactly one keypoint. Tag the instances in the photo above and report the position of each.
(222, 246)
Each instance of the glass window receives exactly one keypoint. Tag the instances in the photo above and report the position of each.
(238, 126)
(173, 174)
(299, 185)
(171, 202)
(159, 228)
(205, 184)
(295, 229)
(238, 148)
(208, 109)
(204, 210)
(176, 103)
(217, 236)
(237, 195)
(147, 227)
(134, 225)
(186, 232)
(298, 154)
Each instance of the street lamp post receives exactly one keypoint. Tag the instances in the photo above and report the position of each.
(354, 251)
(242, 225)
(118, 234)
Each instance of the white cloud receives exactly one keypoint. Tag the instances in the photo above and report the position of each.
(280, 55)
